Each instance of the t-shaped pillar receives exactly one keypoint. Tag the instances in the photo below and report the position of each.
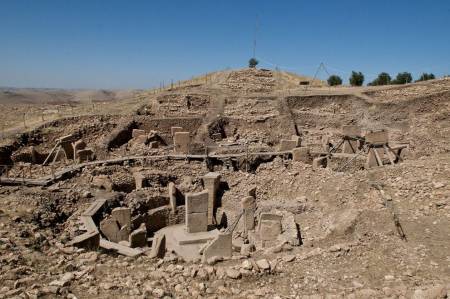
(211, 181)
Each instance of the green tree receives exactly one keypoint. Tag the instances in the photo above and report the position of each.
(334, 80)
(252, 63)
(403, 78)
(356, 79)
(426, 76)
(382, 79)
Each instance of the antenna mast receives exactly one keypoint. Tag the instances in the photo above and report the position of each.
(254, 39)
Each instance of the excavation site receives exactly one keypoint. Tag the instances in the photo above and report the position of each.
(244, 183)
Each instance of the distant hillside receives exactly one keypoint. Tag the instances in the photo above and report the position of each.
(59, 96)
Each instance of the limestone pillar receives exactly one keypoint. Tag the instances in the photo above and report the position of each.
(197, 212)
(181, 142)
(248, 205)
(211, 181)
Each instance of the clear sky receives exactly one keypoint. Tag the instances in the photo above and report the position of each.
(138, 44)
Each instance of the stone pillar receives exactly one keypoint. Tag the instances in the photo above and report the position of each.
(110, 228)
(66, 145)
(377, 137)
(248, 205)
(297, 139)
(84, 155)
(173, 130)
(197, 212)
(269, 228)
(139, 180)
(34, 155)
(68, 149)
(158, 246)
(211, 182)
(138, 238)
(287, 145)
(181, 142)
(122, 216)
(376, 140)
(77, 146)
(173, 196)
(350, 146)
(301, 154)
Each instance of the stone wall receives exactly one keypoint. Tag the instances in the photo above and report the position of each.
(179, 217)
(120, 135)
(163, 125)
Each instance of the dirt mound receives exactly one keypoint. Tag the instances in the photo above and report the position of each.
(401, 93)
(250, 80)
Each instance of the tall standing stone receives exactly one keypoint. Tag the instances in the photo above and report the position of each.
(197, 212)
(350, 145)
(181, 142)
(173, 196)
(269, 227)
(212, 182)
(376, 140)
(78, 146)
(66, 145)
(173, 130)
(248, 205)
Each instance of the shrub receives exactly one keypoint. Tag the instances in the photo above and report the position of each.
(334, 80)
(426, 76)
(356, 79)
(382, 79)
(252, 63)
(403, 78)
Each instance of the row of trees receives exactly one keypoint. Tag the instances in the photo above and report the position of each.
(357, 79)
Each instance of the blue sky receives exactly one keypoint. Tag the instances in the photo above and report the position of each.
(138, 44)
